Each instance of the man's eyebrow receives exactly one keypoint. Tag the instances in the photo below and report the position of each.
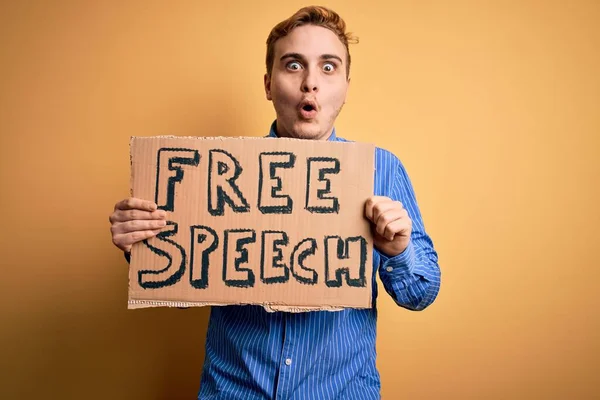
(330, 56)
(292, 55)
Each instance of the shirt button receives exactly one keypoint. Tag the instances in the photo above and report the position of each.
(288, 361)
(389, 269)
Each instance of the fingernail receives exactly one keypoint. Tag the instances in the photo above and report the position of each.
(162, 223)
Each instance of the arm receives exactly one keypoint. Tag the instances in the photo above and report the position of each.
(408, 265)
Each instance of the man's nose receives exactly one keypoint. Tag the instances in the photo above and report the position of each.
(310, 83)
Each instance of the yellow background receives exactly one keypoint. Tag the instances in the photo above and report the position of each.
(493, 106)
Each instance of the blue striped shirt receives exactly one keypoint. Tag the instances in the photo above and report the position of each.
(254, 354)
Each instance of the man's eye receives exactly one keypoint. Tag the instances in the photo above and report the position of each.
(329, 67)
(294, 65)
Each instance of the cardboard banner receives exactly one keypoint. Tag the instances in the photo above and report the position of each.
(274, 222)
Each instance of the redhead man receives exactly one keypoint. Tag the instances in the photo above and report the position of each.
(254, 354)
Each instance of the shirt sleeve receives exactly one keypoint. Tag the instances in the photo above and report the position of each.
(412, 278)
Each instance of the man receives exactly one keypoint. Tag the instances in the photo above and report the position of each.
(253, 354)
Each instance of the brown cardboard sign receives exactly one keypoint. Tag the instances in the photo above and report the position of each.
(274, 222)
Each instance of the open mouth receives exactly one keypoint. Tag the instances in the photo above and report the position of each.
(308, 109)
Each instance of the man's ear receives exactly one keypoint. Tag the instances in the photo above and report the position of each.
(347, 89)
(268, 87)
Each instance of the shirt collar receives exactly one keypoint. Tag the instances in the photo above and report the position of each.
(273, 132)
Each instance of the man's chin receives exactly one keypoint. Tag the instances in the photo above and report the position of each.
(307, 130)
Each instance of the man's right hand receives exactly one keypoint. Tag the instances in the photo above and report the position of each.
(135, 220)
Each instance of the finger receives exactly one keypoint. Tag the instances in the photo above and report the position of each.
(371, 203)
(387, 218)
(400, 226)
(126, 240)
(138, 225)
(130, 215)
(384, 207)
(132, 203)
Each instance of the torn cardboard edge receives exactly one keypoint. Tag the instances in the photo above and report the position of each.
(222, 138)
(137, 304)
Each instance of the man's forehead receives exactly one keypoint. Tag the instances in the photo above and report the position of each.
(310, 41)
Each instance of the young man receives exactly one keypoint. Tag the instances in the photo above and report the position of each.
(253, 354)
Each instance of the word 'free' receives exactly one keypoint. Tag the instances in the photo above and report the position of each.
(224, 170)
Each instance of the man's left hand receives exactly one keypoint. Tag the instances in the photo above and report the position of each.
(391, 223)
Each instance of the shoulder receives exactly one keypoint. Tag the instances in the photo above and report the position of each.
(387, 158)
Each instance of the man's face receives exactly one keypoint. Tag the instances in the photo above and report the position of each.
(308, 83)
